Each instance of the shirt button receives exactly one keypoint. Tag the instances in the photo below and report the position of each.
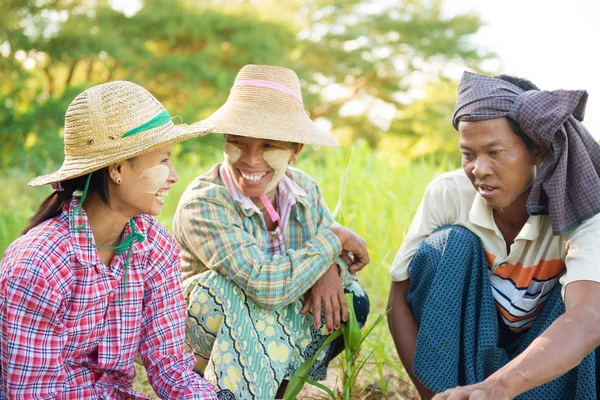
(503, 264)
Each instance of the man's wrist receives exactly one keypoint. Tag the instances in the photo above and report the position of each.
(500, 383)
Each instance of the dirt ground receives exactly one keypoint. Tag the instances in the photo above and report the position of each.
(369, 385)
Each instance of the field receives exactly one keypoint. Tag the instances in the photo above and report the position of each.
(378, 203)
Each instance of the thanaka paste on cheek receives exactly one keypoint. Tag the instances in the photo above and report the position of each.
(231, 154)
(153, 179)
(278, 161)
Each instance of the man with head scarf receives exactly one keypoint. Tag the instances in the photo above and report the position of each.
(496, 288)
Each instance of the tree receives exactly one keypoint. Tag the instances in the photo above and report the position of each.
(424, 127)
(187, 53)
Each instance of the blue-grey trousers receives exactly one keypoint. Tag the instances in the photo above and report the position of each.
(461, 339)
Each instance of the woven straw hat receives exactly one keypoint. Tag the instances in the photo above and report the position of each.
(112, 122)
(265, 102)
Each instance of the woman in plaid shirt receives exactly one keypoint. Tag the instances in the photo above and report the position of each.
(95, 279)
(257, 239)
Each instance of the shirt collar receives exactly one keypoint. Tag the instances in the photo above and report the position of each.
(286, 186)
(84, 249)
(483, 216)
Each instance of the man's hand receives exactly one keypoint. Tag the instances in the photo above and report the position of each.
(352, 243)
(479, 391)
(329, 294)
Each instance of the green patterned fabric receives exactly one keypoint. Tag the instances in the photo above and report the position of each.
(244, 324)
(246, 350)
(216, 232)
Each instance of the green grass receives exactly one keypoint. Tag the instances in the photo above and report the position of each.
(378, 203)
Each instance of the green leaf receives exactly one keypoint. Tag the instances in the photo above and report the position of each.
(296, 382)
(320, 386)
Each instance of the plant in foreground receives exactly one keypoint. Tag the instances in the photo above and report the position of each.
(352, 365)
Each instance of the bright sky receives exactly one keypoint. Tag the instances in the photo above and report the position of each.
(553, 43)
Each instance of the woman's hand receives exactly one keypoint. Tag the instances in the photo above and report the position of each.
(352, 243)
(327, 293)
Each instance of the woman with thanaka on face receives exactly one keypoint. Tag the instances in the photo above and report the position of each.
(95, 279)
(258, 239)
(476, 310)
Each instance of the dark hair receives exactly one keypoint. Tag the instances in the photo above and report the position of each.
(52, 205)
(514, 125)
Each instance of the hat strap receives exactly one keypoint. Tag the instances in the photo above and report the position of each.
(125, 245)
(155, 122)
(270, 85)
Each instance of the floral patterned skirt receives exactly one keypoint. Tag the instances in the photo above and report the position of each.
(245, 350)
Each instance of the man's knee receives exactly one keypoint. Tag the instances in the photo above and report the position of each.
(447, 242)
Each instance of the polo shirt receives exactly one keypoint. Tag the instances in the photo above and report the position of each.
(522, 278)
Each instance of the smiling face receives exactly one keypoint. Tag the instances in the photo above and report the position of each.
(498, 163)
(257, 165)
(145, 180)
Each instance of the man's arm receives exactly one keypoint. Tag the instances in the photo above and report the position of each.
(404, 329)
(565, 343)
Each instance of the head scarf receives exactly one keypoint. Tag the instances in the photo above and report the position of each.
(567, 186)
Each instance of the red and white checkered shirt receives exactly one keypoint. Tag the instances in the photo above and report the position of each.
(63, 333)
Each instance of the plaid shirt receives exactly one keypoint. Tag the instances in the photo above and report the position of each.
(63, 333)
(220, 230)
(287, 192)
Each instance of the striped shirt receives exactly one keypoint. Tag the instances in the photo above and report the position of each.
(64, 333)
(521, 279)
(221, 229)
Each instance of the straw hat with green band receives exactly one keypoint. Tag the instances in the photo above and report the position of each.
(107, 124)
(112, 122)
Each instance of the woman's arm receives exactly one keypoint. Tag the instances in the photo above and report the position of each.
(170, 369)
(33, 339)
(354, 243)
(213, 231)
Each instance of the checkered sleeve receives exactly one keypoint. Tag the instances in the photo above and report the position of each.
(33, 339)
(326, 221)
(170, 369)
(212, 229)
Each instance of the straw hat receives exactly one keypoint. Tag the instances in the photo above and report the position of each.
(113, 122)
(265, 102)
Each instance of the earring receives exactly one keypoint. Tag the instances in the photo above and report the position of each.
(118, 180)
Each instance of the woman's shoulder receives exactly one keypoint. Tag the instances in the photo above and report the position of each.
(206, 191)
(45, 251)
(206, 186)
(302, 179)
(157, 235)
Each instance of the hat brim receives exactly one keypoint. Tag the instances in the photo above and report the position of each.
(269, 122)
(156, 138)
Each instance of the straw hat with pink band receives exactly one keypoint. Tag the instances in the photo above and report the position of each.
(265, 102)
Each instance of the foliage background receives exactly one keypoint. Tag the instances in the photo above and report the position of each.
(355, 58)
(375, 73)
